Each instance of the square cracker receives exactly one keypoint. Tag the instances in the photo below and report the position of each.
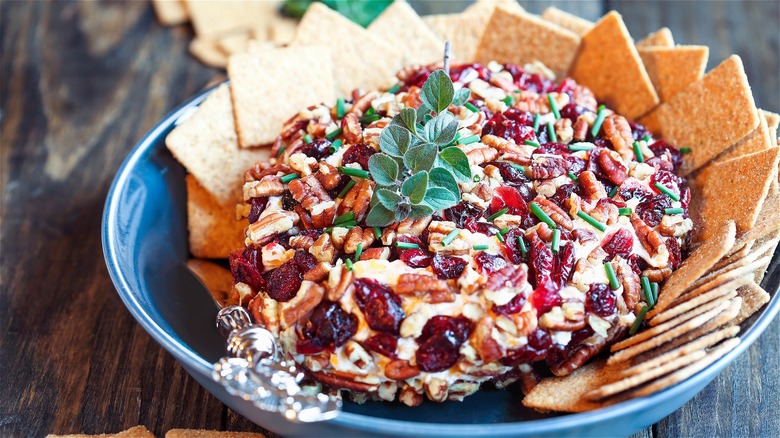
(192, 433)
(753, 298)
(757, 141)
(133, 432)
(660, 38)
(461, 30)
(609, 64)
(208, 52)
(564, 394)
(520, 38)
(742, 181)
(488, 6)
(282, 30)
(207, 146)
(170, 12)
(400, 25)
(578, 25)
(361, 58)
(213, 18)
(213, 229)
(671, 69)
(270, 85)
(703, 116)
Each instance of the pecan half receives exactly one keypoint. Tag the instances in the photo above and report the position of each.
(651, 239)
(618, 131)
(510, 276)
(309, 296)
(504, 145)
(358, 199)
(328, 176)
(429, 288)
(547, 166)
(363, 103)
(302, 241)
(612, 166)
(591, 186)
(480, 154)
(580, 129)
(318, 272)
(322, 249)
(401, 370)
(657, 274)
(487, 347)
(269, 185)
(270, 225)
(564, 130)
(355, 237)
(556, 213)
(376, 254)
(264, 311)
(437, 389)
(410, 397)
(339, 279)
(351, 129)
(414, 227)
(605, 212)
(631, 284)
(344, 380)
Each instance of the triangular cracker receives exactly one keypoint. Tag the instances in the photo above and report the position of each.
(772, 122)
(757, 141)
(564, 394)
(660, 38)
(400, 25)
(609, 64)
(170, 12)
(742, 181)
(207, 146)
(578, 25)
(671, 69)
(753, 298)
(704, 117)
(271, 85)
(520, 38)
(211, 19)
(361, 58)
(213, 229)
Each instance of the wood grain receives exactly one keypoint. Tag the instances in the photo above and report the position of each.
(80, 82)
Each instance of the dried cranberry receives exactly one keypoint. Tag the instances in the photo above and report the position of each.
(358, 153)
(288, 201)
(685, 201)
(512, 124)
(600, 300)
(564, 263)
(612, 168)
(568, 85)
(535, 83)
(463, 212)
(667, 179)
(515, 305)
(552, 148)
(447, 267)
(304, 260)
(552, 166)
(414, 257)
(576, 164)
(316, 149)
(284, 281)
(512, 246)
(510, 198)
(329, 326)
(653, 210)
(490, 263)
(542, 261)
(573, 111)
(675, 255)
(631, 189)
(539, 342)
(258, 206)
(485, 228)
(638, 264)
(440, 342)
(468, 72)
(562, 193)
(618, 243)
(511, 174)
(418, 78)
(660, 147)
(382, 343)
(545, 297)
(247, 269)
(380, 305)
(638, 131)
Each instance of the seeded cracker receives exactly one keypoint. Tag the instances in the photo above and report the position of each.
(192, 433)
(213, 229)
(757, 141)
(699, 262)
(170, 12)
(211, 19)
(207, 146)
(217, 279)
(361, 58)
(671, 69)
(400, 25)
(461, 30)
(723, 292)
(564, 394)
(660, 38)
(208, 53)
(578, 25)
(753, 298)
(269, 85)
(609, 64)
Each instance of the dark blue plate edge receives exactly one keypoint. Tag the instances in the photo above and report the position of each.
(382, 425)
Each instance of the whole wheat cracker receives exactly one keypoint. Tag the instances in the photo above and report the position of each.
(207, 52)
(660, 38)
(728, 259)
(723, 292)
(701, 116)
(758, 140)
(572, 22)
(735, 274)
(269, 85)
(193, 433)
(400, 25)
(520, 38)
(217, 279)
(133, 432)
(207, 146)
(211, 19)
(758, 251)
(170, 12)
(772, 240)
(772, 121)
(696, 265)
(671, 69)
(753, 298)
(609, 64)
(213, 229)
(361, 59)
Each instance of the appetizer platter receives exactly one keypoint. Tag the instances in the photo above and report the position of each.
(544, 210)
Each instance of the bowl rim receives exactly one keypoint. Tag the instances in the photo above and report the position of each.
(362, 422)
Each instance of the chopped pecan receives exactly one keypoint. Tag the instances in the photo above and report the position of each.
(578, 357)
(269, 185)
(274, 255)
(460, 390)
(547, 166)
(480, 154)
(351, 129)
(338, 235)
(605, 212)
(344, 380)
(306, 222)
(401, 370)
(582, 236)
(503, 81)
(612, 166)
(318, 272)
(308, 191)
(317, 362)
(487, 347)
(382, 253)
(262, 169)
(525, 321)
(410, 397)
(437, 231)
(556, 320)
(412, 98)
(415, 227)
(556, 213)
(265, 312)
(270, 225)
(358, 199)
(309, 296)
(484, 192)
(363, 103)
(322, 249)
(339, 279)
(584, 97)
(631, 284)
(520, 159)
(651, 239)
(388, 234)
(387, 391)
(358, 355)
(328, 176)
(302, 241)
(437, 389)
(303, 164)
(355, 237)
(510, 276)
(618, 131)
(504, 145)
(426, 286)
(580, 129)
(591, 186)
(657, 274)
(564, 130)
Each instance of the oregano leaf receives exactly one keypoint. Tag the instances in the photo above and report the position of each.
(379, 216)
(420, 158)
(395, 140)
(415, 187)
(384, 170)
(407, 118)
(456, 161)
(441, 129)
(388, 198)
(403, 210)
(439, 198)
(441, 177)
(437, 91)
(422, 111)
(461, 97)
(420, 211)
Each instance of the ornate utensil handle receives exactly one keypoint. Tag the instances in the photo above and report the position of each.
(254, 370)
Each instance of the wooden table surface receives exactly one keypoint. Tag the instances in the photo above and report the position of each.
(81, 81)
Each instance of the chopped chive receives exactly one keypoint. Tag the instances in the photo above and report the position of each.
(685, 150)
(340, 108)
(346, 189)
(500, 237)
(638, 152)
(480, 247)
(476, 178)
(613, 192)
(551, 132)
(539, 213)
(654, 289)
(468, 140)
(667, 191)
(600, 116)
(576, 147)
(450, 237)
(573, 177)
(369, 112)
(333, 134)
(394, 89)
(471, 107)
(289, 177)
(613, 282)
(348, 224)
(406, 245)
(358, 173)
(536, 122)
(638, 321)
(521, 244)
(676, 210)
(358, 251)
(508, 100)
(648, 291)
(589, 219)
(554, 106)
(346, 217)
(334, 147)
(532, 143)
(369, 119)
(625, 211)
(377, 233)
(349, 264)
(503, 230)
(307, 139)
(647, 138)
(497, 214)
(281, 151)
(556, 240)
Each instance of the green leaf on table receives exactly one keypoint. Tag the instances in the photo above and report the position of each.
(441, 129)
(437, 91)
(379, 216)
(384, 170)
(461, 97)
(395, 140)
(441, 177)
(456, 161)
(388, 198)
(420, 158)
(439, 199)
(415, 187)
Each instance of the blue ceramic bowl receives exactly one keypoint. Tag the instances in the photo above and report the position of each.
(145, 246)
